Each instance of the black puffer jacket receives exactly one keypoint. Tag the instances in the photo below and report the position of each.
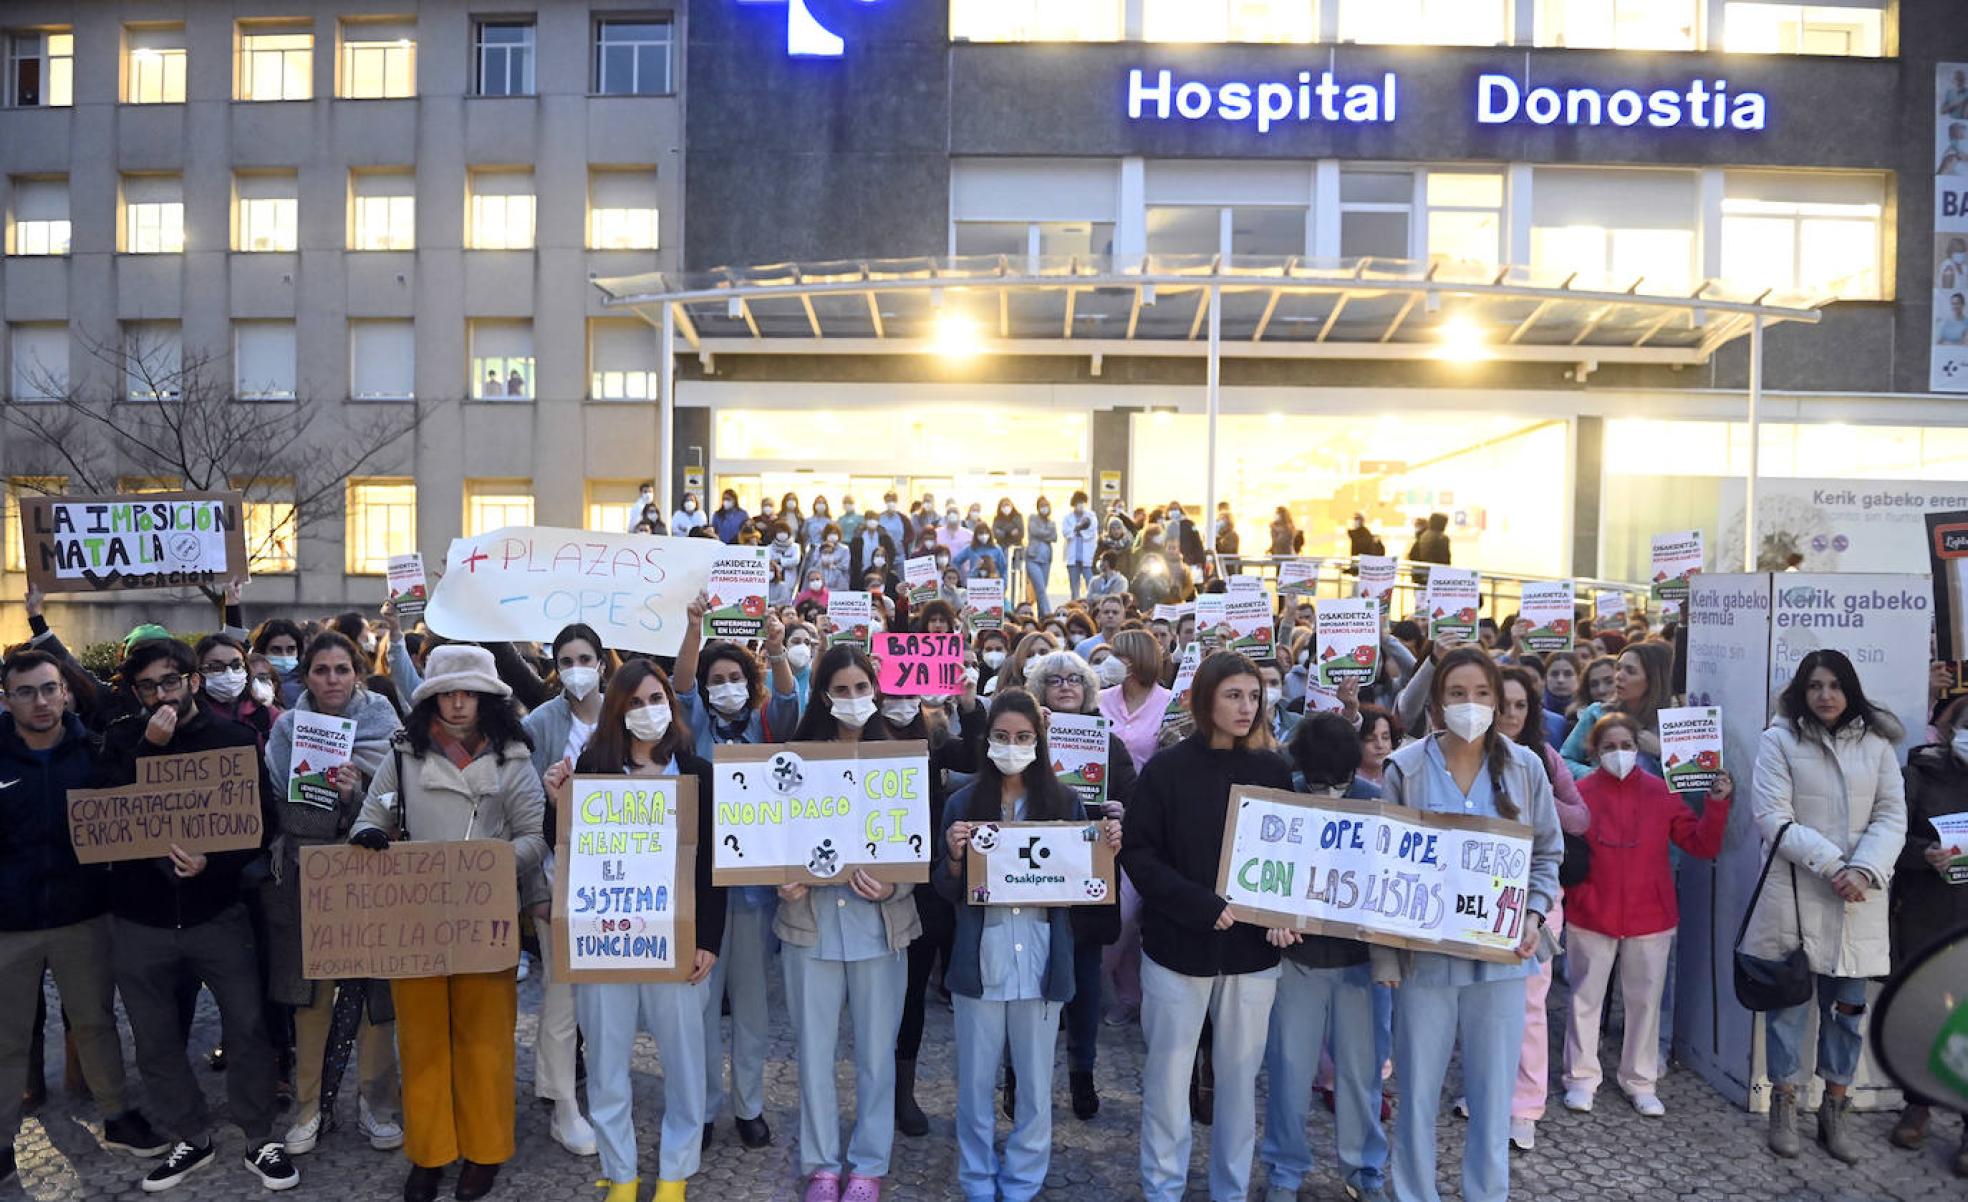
(1924, 906)
(41, 884)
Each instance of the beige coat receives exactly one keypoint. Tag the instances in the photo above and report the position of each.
(490, 798)
(1848, 804)
(901, 921)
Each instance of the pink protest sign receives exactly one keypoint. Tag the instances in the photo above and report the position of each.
(919, 665)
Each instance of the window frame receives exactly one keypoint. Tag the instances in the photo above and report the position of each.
(395, 205)
(170, 60)
(267, 498)
(597, 174)
(529, 362)
(66, 376)
(483, 206)
(45, 59)
(528, 50)
(350, 51)
(139, 228)
(172, 350)
(273, 396)
(355, 394)
(48, 227)
(500, 495)
(356, 522)
(598, 60)
(244, 54)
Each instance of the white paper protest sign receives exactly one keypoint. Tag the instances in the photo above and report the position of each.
(1346, 641)
(1691, 747)
(1453, 596)
(1213, 617)
(1079, 757)
(625, 894)
(735, 596)
(1675, 558)
(321, 742)
(852, 616)
(812, 813)
(409, 591)
(919, 579)
(1185, 676)
(987, 599)
(1377, 578)
(1247, 624)
(1549, 609)
(1953, 830)
(1609, 608)
(1297, 577)
(1039, 864)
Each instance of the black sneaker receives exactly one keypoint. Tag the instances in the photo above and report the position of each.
(184, 1160)
(270, 1164)
(131, 1132)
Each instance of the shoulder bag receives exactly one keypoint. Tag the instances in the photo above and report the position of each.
(1764, 985)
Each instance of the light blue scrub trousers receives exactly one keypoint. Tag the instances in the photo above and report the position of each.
(740, 971)
(984, 1031)
(1312, 1004)
(1172, 1010)
(673, 1013)
(870, 993)
(1487, 1018)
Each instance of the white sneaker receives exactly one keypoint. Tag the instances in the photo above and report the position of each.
(383, 1134)
(571, 1130)
(1579, 1099)
(524, 972)
(301, 1137)
(1649, 1105)
(1523, 1134)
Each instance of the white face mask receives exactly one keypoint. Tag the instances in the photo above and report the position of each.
(994, 660)
(1273, 694)
(901, 710)
(648, 723)
(1012, 759)
(1960, 745)
(1467, 720)
(580, 682)
(1113, 670)
(368, 643)
(799, 655)
(852, 711)
(263, 692)
(227, 684)
(729, 698)
(1619, 762)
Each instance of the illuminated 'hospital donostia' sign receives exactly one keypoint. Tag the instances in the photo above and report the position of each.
(1322, 98)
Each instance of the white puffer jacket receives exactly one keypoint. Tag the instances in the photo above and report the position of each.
(1847, 801)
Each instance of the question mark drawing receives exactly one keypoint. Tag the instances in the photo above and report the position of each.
(849, 774)
(739, 777)
(915, 843)
(871, 851)
(731, 841)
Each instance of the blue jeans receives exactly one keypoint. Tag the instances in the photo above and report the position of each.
(1312, 1004)
(1487, 1017)
(1077, 578)
(1083, 1012)
(1030, 1029)
(1039, 574)
(1840, 1036)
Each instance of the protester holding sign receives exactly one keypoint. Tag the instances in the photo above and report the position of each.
(1830, 797)
(222, 666)
(461, 769)
(1466, 766)
(332, 689)
(637, 736)
(185, 915)
(1199, 962)
(844, 952)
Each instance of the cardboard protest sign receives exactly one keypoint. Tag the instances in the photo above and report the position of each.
(1039, 864)
(1608, 608)
(523, 583)
(1947, 559)
(1297, 577)
(1387, 874)
(736, 596)
(126, 542)
(1453, 596)
(1185, 676)
(321, 742)
(1377, 578)
(812, 813)
(409, 591)
(1550, 609)
(986, 598)
(851, 616)
(1691, 747)
(1079, 757)
(1953, 830)
(1346, 641)
(625, 897)
(919, 665)
(919, 578)
(412, 910)
(203, 801)
(1675, 558)
(1247, 619)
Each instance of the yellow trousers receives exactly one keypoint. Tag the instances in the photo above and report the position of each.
(455, 1042)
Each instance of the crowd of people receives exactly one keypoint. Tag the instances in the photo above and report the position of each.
(455, 740)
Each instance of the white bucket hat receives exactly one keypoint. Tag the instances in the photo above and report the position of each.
(459, 668)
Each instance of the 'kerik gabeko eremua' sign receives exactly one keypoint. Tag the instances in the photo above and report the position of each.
(1326, 98)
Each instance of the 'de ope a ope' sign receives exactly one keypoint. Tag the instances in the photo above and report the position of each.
(1385, 874)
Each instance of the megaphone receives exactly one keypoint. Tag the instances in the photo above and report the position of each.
(1920, 1026)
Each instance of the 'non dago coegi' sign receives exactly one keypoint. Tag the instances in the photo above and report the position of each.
(129, 542)
(1384, 874)
(813, 813)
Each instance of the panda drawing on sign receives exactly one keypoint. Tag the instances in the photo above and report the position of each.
(1096, 889)
(825, 861)
(985, 838)
(785, 775)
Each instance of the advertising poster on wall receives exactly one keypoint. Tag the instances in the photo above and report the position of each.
(1948, 366)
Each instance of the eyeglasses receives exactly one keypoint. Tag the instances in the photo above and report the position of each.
(27, 694)
(163, 684)
(1023, 738)
(213, 667)
(1061, 682)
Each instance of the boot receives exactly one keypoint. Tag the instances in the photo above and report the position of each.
(1086, 1099)
(1911, 1129)
(1835, 1128)
(909, 1118)
(622, 1191)
(1783, 1122)
(667, 1191)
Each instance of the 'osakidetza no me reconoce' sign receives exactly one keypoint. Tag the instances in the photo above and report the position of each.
(125, 542)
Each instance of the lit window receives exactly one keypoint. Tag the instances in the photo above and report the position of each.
(41, 70)
(491, 504)
(622, 361)
(153, 360)
(382, 360)
(153, 215)
(612, 504)
(1230, 20)
(632, 58)
(1613, 227)
(382, 210)
(501, 360)
(269, 211)
(271, 526)
(1038, 20)
(1077, 238)
(1754, 27)
(10, 526)
(1465, 218)
(1185, 230)
(379, 60)
(1375, 211)
(275, 63)
(40, 362)
(1425, 22)
(622, 213)
(382, 521)
(1808, 232)
(38, 223)
(1255, 231)
(1619, 24)
(154, 70)
(994, 238)
(263, 360)
(504, 58)
(501, 210)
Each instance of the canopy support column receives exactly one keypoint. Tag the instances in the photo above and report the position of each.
(1206, 521)
(666, 413)
(1755, 442)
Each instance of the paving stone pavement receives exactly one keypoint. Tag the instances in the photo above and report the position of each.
(1704, 1149)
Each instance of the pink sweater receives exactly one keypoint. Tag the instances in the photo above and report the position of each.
(1137, 730)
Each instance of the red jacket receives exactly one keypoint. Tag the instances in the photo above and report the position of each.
(1630, 889)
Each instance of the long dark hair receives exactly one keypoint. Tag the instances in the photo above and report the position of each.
(607, 752)
(607, 661)
(817, 724)
(1219, 667)
(1496, 748)
(498, 722)
(1657, 664)
(1795, 703)
(1046, 800)
(1532, 736)
(265, 632)
(717, 651)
